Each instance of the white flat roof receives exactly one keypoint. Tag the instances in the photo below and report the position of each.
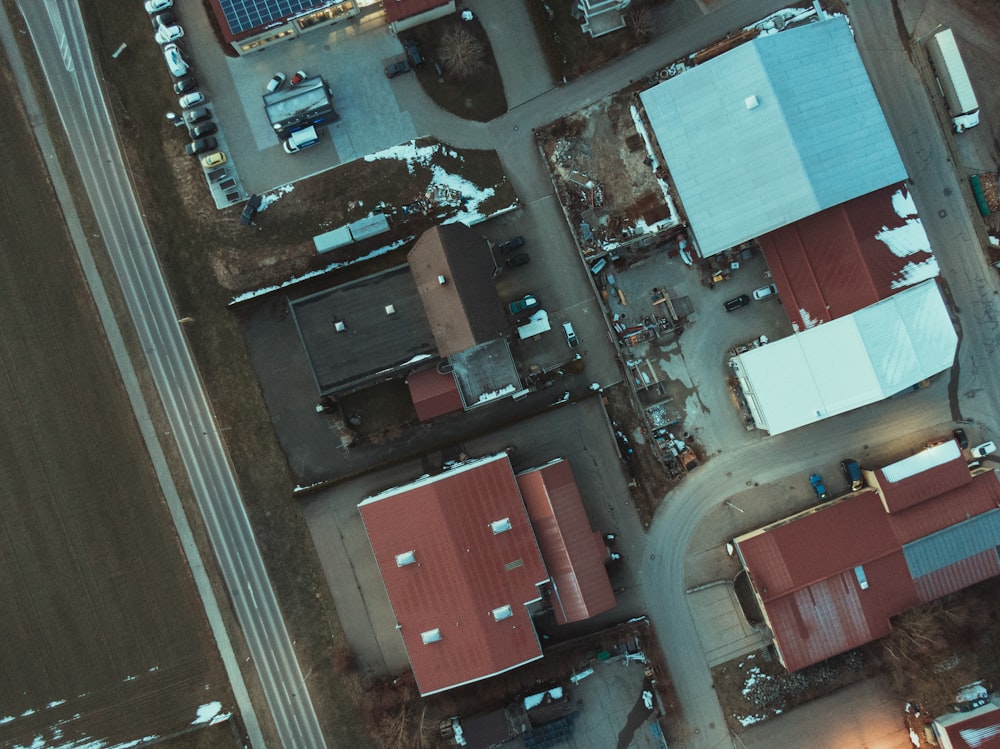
(850, 362)
(772, 131)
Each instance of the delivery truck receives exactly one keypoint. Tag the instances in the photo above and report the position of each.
(953, 80)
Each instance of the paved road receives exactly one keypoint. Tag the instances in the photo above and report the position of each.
(56, 28)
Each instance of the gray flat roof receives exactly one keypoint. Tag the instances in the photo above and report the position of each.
(373, 344)
(485, 372)
(772, 131)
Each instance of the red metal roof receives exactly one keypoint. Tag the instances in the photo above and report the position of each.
(831, 264)
(462, 574)
(981, 730)
(433, 394)
(920, 486)
(803, 568)
(396, 10)
(574, 555)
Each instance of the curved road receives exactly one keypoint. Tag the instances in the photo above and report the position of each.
(57, 31)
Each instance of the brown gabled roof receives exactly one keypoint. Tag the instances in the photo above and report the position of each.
(574, 554)
(453, 268)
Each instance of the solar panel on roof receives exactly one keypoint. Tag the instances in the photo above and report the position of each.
(243, 15)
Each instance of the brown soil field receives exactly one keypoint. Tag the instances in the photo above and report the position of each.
(103, 633)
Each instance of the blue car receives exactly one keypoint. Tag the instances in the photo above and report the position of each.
(817, 484)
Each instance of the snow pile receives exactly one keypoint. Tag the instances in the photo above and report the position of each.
(270, 197)
(909, 239)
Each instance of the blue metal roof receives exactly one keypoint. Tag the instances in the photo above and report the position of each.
(244, 15)
(953, 544)
(772, 131)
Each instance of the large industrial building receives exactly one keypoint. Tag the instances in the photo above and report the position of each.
(831, 578)
(469, 556)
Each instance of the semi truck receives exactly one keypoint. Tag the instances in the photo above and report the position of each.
(953, 80)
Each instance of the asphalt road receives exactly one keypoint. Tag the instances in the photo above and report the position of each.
(57, 30)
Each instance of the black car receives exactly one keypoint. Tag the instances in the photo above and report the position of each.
(515, 260)
(186, 84)
(397, 68)
(192, 116)
(200, 146)
(511, 244)
(205, 128)
(852, 472)
(735, 303)
(413, 52)
(961, 438)
(164, 18)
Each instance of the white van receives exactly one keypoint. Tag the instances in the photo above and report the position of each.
(301, 139)
(953, 80)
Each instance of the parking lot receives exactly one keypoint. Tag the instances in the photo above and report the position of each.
(350, 57)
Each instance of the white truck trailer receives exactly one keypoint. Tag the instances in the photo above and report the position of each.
(953, 80)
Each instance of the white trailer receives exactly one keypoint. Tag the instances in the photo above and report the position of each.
(953, 80)
(537, 323)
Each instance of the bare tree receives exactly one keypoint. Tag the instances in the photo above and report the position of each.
(640, 21)
(461, 52)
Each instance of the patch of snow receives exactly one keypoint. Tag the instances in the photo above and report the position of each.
(994, 241)
(247, 295)
(749, 720)
(55, 703)
(807, 319)
(905, 240)
(914, 273)
(780, 19)
(753, 675)
(902, 203)
(269, 197)
(210, 713)
(299, 488)
(494, 394)
(914, 738)
(671, 220)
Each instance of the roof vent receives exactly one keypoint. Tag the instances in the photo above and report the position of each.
(504, 612)
(442, 280)
(499, 526)
(431, 635)
(751, 101)
(407, 557)
(859, 573)
(390, 309)
(339, 326)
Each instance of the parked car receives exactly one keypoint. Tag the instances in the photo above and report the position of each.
(736, 302)
(200, 146)
(213, 160)
(300, 75)
(961, 438)
(155, 6)
(175, 60)
(167, 34)
(193, 116)
(817, 484)
(511, 244)
(275, 83)
(165, 18)
(515, 260)
(397, 68)
(852, 471)
(571, 339)
(981, 451)
(413, 52)
(188, 83)
(524, 304)
(192, 99)
(202, 130)
(765, 292)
